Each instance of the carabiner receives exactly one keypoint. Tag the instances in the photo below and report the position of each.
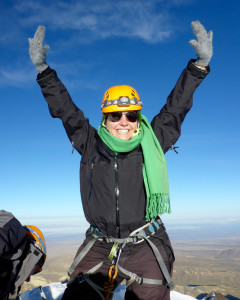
(112, 276)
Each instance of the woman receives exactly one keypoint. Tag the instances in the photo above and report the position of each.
(123, 177)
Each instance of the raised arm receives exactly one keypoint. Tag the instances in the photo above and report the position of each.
(167, 124)
(59, 101)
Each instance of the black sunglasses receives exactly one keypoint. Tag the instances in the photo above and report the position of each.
(132, 116)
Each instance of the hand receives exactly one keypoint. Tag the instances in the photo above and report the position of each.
(37, 51)
(203, 45)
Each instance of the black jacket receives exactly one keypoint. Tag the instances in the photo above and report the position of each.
(112, 188)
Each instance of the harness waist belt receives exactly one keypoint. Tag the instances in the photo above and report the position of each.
(135, 237)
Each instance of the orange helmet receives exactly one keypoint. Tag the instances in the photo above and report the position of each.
(121, 98)
(35, 234)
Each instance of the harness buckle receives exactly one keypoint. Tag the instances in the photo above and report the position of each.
(106, 239)
(170, 285)
(140, 281)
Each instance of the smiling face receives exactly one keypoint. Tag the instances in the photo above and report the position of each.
(122, 129)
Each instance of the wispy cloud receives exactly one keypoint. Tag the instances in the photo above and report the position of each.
(146, 20)
(16, 77)
(70, 23)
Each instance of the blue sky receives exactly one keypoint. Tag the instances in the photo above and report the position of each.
(98, 44)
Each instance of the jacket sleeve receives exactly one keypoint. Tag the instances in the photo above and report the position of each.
(167, 124)
(12, 233)
(61, 106)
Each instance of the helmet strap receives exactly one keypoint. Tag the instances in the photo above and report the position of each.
(104, 119)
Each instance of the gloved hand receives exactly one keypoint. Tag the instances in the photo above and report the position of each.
(37, 51)
(203, 46)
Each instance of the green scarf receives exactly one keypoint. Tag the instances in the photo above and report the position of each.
(154, 167)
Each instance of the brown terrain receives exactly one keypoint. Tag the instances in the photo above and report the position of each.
(208, 265)
(201, 266)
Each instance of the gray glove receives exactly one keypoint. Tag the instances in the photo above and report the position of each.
(203, 46)
(37, 51)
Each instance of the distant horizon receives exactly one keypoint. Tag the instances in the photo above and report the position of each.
(178, 229)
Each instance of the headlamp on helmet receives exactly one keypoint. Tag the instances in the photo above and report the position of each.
(121, 98)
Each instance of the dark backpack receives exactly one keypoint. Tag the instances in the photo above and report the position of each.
(18, 255)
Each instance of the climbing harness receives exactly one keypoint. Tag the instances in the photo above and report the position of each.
(137, 236)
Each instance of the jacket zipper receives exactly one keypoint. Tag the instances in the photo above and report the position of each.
(117, 197)
(91, 175)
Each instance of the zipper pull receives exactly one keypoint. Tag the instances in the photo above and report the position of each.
(115, 163)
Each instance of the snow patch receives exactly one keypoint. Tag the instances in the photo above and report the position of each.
(54, 291)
